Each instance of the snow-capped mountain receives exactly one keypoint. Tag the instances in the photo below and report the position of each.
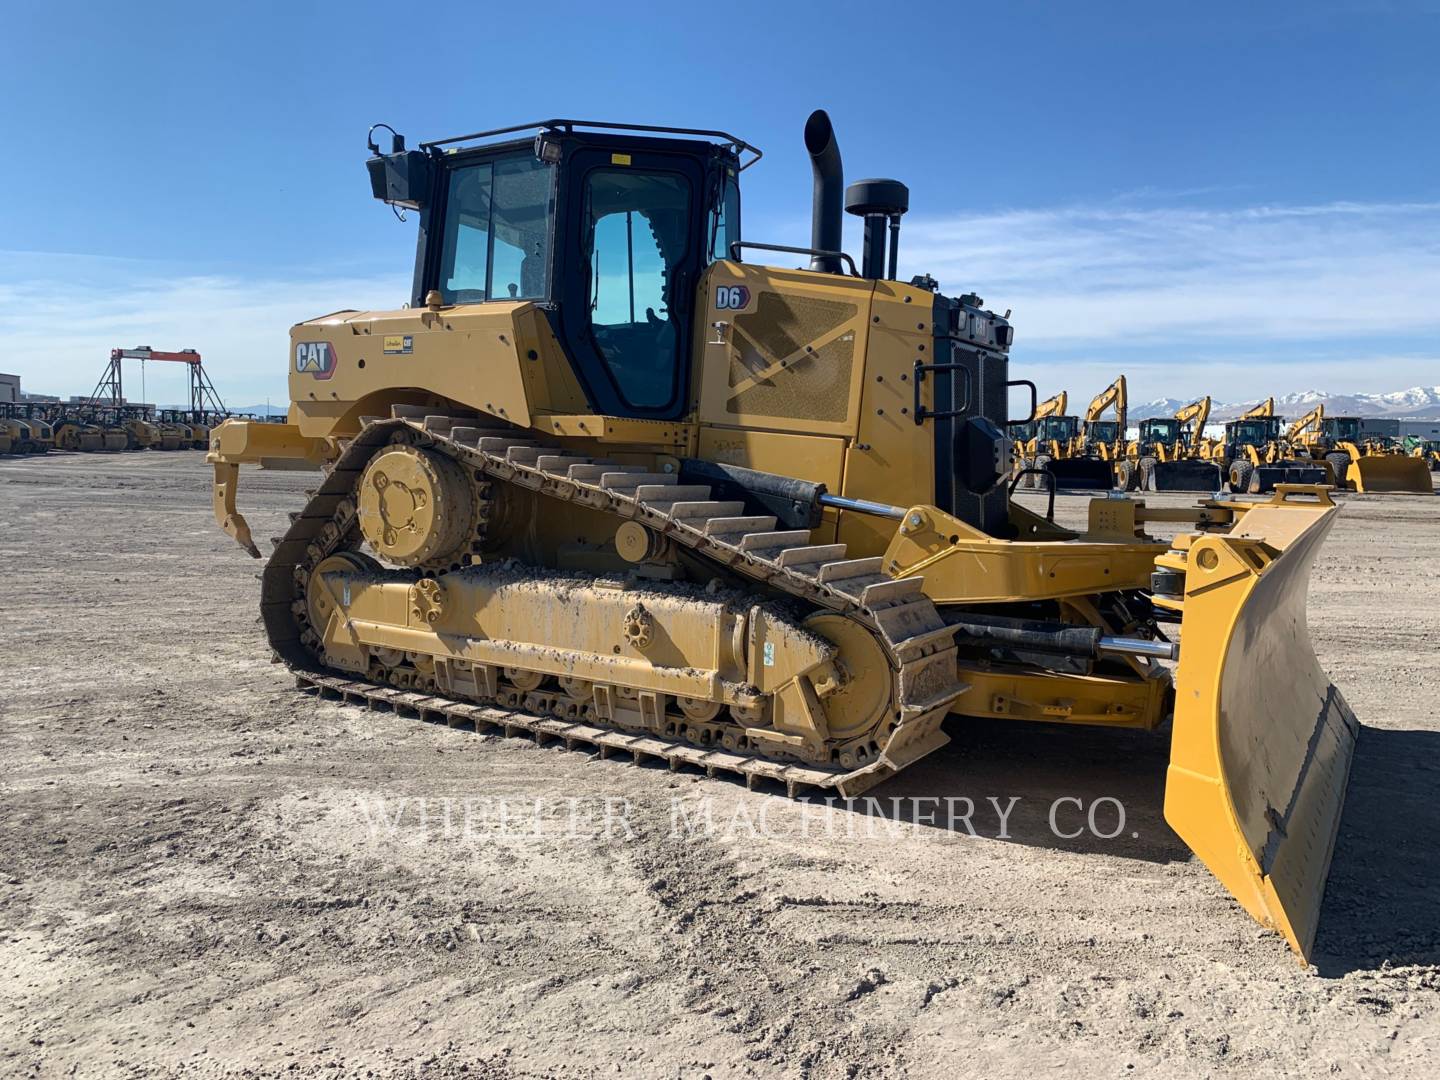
(1417, 402)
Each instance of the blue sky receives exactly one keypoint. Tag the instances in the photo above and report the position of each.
(1229, 198)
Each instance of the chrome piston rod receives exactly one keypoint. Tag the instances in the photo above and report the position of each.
(862, 506)
(1130, 646)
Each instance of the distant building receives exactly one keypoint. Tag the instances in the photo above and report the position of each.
(1380, 427)
(9, 387)
(1425, 429)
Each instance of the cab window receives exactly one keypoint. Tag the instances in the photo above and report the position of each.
(497, 231)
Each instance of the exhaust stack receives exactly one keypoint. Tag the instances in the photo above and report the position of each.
(826, 214)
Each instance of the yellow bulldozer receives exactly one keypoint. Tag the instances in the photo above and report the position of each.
(604, 481)
(1358, 463)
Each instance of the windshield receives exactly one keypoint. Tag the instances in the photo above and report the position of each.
(1104, 430)
(497, 231)
(1346, 427)
(1163, 430)
(1059, 427)
(1248, 433)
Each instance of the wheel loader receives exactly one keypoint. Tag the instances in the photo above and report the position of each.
(1171, 454)
(1358, 463)
(1257, 457)
(606, 481)
(1087, 459)
(1039, 437)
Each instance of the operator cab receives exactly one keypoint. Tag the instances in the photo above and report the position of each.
(1256, 431)
(606, 233)
(1058, 428)
(1341, 428)
(1159, 430)
(1103, 431)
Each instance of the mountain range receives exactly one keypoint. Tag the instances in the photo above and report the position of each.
(1418, 402)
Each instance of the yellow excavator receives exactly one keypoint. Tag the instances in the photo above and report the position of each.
(1171, 453)
(604, 481)
(1358, 463)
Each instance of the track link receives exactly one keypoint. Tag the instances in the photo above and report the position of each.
(917, 641)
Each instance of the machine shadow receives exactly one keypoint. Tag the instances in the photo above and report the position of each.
(1382, 901)
(1045, 767)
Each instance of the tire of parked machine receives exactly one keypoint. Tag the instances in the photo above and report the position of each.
(1340, 463)
(1146, 481)
(1041, 460)
(1240, 472)
(1126, 475)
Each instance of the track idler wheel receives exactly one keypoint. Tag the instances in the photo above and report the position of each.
(416, 507)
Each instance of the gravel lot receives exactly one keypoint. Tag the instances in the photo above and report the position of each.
(204, 872)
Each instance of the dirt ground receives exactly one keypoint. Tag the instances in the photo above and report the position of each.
(204, 872)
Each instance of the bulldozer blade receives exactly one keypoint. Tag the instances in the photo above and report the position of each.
(1185, 476)
(1262, 742)
(1267, 477)
(1081, 473)
(1391, 472)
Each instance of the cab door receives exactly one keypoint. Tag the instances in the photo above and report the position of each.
(627, 310)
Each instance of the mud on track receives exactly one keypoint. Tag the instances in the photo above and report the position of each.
(205, 873)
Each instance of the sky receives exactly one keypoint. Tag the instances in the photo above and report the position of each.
(1229, 198)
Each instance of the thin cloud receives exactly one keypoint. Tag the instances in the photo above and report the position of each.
(1277, 297)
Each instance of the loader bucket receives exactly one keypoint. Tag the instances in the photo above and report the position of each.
(1185, 475)
(1082, 473)
(1262, 741)
(1390, 472)
(1266, 478)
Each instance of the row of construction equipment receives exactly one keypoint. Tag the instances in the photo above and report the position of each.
(106, 422)
(1257, 451)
